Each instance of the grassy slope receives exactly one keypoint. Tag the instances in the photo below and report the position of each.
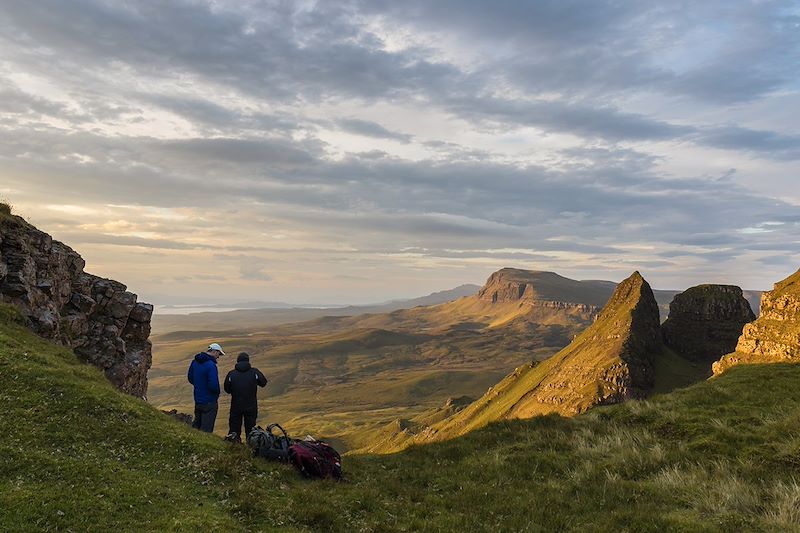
(718, 456)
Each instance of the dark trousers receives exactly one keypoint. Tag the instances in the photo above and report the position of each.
(205, 414)
(235, 420)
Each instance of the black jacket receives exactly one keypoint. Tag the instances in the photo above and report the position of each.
(241, 383)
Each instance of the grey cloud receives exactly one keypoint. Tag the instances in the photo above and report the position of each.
(218, 117)
(259, 54)
(254, 272)
(777, 145)
(242, 152)
(748, 49)
(372, 129)
(611, 124)
(17, 102)
(547, 65)
(710, 239)
(777, 260)
(282, 52)
(589, 121)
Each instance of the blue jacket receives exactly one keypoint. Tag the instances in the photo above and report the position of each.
(203, 375)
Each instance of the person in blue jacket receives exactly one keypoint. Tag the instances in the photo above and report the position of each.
(205, 378)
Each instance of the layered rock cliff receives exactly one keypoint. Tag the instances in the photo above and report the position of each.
(546, 289)
(775, 336)
(98, 318)
(705, 321)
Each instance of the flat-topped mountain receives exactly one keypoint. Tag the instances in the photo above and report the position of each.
(512, 285)
(705, 321)
(775, 336)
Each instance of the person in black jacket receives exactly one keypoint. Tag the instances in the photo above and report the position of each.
(242, 384)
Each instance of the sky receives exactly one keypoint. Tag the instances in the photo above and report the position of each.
(361, 150)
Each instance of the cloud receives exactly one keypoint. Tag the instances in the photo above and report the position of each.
(371, 129)
(580, 135)
(776, 145)
(251, 268)
(340, 57)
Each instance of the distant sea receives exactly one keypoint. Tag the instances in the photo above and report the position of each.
(188, 309)
(209, 308)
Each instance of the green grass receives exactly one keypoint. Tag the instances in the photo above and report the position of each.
(718, 456)
(673, 371)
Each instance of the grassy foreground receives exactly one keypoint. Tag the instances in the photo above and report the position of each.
(718, 456)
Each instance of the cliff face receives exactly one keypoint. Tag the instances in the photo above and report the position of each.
(705, 321)
(545, 289)
(98, 318)
(775, 336)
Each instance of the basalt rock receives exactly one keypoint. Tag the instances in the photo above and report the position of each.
(705, 321)
(180, 417)
(775, 336)
(98, 318)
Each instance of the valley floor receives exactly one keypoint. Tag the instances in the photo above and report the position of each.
(718, 456)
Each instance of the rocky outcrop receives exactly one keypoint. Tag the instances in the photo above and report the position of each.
(775, 336)
(180, 417)
(98, 318)
(610, 362)
(705, 321)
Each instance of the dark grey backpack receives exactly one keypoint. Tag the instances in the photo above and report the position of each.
(269, 445)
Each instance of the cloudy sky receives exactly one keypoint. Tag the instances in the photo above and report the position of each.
(361, 150)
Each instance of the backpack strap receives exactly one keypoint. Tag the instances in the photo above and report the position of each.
(271, 426)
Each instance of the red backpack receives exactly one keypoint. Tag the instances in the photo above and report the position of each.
(316, 459)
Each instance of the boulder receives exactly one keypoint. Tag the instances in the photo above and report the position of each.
(705, 321)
